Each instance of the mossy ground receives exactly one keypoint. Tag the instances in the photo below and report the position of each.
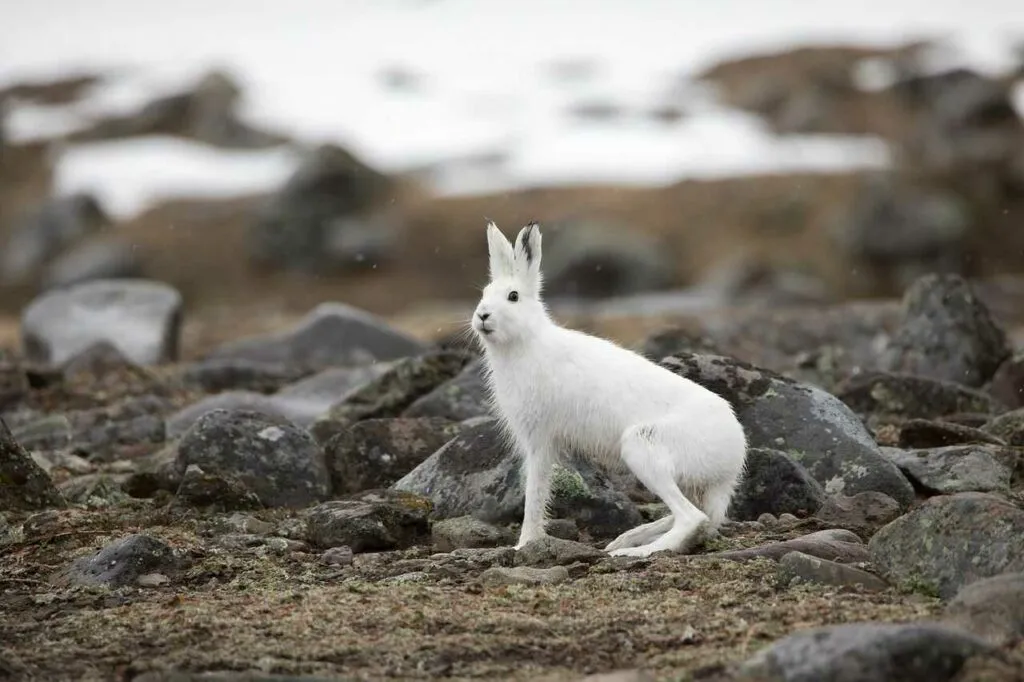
(254, 609)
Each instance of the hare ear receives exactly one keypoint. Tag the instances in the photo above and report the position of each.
(502, 257)
(528, 253)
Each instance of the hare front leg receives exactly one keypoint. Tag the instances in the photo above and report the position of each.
(538, 463)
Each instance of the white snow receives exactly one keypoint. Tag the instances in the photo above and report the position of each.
(313, 67)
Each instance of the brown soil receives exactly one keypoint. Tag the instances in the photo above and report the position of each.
(236, 610)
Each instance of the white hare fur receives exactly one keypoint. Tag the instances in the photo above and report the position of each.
(557, 389)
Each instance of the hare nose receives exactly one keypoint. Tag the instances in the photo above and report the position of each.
(483, 316)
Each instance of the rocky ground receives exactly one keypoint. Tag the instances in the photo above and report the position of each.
(335, 500)
(213, 471)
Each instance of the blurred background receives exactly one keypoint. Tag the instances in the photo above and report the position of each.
(265, 157)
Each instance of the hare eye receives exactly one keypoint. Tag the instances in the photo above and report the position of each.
(513, 296)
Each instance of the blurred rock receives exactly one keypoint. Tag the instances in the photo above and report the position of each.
(1007, 384)
(331, 335)
(222, 374)
(1008, 427)
(222, 491)
(43, 233)
(904, 396)
(992, 608)
(105, 258)
(141, 318)
(924, 433)
(95, 360)
(857, 652)
(327, 216)
(583, 260)
(464, 397)
(901, 233)
(466, 531)
(23, 484)
(206, 112)
(947, 334)
(389, 394)
(13, 381)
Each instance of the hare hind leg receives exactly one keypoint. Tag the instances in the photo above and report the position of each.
(641, 535)
(652, 462)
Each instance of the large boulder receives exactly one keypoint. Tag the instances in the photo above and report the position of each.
(140, 318)
(857, 652)
(328, 206)
(478, 474)
(811, 426)
(951, 541)
(947, 334)
(270, 456)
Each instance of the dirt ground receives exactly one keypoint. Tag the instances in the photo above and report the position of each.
(678, 617)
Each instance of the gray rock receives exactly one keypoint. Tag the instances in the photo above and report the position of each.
(925, 433)
(182, 420)
(464, 397)
(337, 556)
(301, 402)
(375, 453)
(23, 484)
(221, 490)
(141, 318)
(811, 569)
(41, 234)
(951, 541)
(332, 335)
(858, 652)
(947, 334)
(390, 393)
(108, 257)
(305, 223)
(992, 608)
(1008, 427)
(524, 575)
(597, 261)
(832, 545)
(223, 374)
(309, 398)
(272, 457)
(911, 397)
(477, 473)
(1007, 384)
(13, 381)
(466, 532)
(813, 427)
(122, 562)
(552, 551)
(100, 358)
(375, 520)
(774, 484)
(863, 513)
(898, 232)
(957, 468)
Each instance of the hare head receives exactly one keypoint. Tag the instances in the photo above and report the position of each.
(510, 308)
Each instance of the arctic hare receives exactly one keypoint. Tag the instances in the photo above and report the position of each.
(557, 388)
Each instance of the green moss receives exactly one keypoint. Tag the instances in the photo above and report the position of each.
(568, 484)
